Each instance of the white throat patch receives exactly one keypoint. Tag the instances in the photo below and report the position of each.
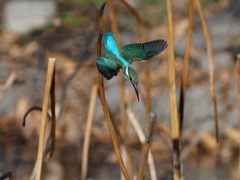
(127, 71)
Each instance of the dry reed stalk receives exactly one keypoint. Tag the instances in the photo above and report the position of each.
(47, 151)
(173, 99)
(238, 102)
(49, 79)
(186, 64)
(103, 100)
(8, 174)
(147, 145)
(210, 62)
(141, 137)
(114, 28)
(123, 119)
(88, 132)
(53, 117)
(146, 64)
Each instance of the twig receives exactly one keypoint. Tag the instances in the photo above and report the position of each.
(186, 64)
(146, 64)
(238, 102)
(103, 100)
(46, 149)
(147, 145)
(53, 117)
(28, 111)
(123, 120)
(88, 132)
(50, 74)
(173, 99)
(211, 64)
(8, 174)
(141, 137)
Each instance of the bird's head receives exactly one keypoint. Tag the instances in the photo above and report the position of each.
(131, 75)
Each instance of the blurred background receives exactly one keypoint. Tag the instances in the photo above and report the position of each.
(33, 31)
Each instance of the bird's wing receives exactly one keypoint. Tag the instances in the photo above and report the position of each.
(108, 68)
(110, 45)
(143, 51)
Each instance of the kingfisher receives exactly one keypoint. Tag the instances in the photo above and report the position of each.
(121, 59)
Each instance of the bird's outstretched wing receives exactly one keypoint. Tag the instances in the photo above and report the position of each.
(108, 68)
(143, 51)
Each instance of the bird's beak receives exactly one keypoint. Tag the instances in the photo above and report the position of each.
(136, 89)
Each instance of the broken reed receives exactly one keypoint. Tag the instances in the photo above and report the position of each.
(173, 100)
(46, 99)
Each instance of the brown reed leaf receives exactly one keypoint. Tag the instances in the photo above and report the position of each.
(103, 100)
(88, 131)
(50, 76)
(210, 62)
(186, 64)
(173, 99)
(147, 145)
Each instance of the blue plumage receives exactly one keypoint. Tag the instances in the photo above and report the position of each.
(110, 45)
(116, 59)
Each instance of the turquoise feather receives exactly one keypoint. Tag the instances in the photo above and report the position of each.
(116, 59)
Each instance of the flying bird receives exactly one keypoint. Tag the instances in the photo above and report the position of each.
(121, 59)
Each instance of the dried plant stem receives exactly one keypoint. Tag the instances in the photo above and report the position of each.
(186, 63)
(141, 136)
(146, 64)
(238, 102)
(113, 21)
(139, 20)
(8, 174)
(210, 62)
(173, 99)
(53, 118)
(147, 145)
(114, 28)
(123, 120)
(50, 74)
(88, 131)
(103, 100)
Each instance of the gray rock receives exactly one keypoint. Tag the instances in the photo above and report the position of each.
(22, 17)
(223, 29)
(222, 61)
